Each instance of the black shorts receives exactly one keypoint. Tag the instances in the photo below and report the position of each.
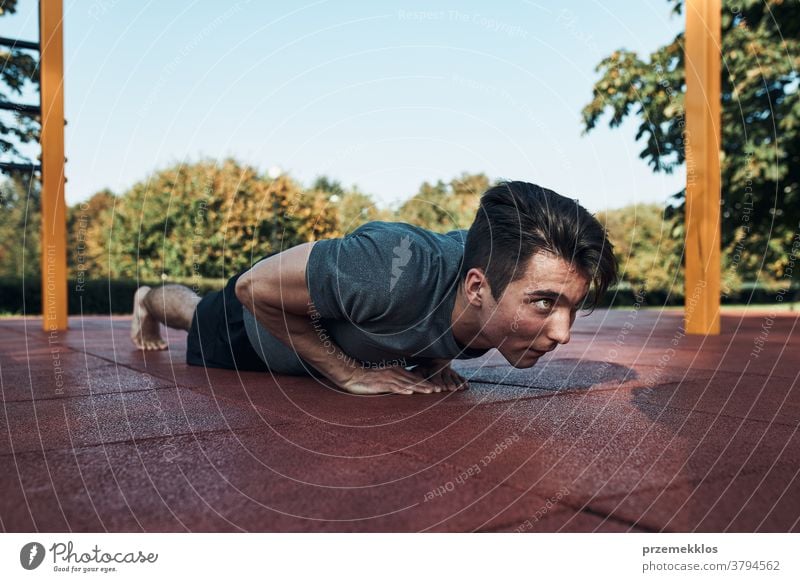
(217, 337)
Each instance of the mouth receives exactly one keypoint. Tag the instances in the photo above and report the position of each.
(539, 353)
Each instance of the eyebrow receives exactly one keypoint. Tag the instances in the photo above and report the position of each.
(554, 295)
(544, 293)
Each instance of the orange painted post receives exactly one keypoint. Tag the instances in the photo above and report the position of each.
(703, 144)
(54, 224)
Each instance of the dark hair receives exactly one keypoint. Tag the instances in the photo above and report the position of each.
(515, 220)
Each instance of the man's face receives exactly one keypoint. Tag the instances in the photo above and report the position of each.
(535, 313)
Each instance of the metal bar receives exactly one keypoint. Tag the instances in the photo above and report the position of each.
(20, 44)
(54, 231)
(20, 108)
(702, 140)
(17, 167)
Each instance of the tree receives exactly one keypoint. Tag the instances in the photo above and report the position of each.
(20, 194)
(760, 120)
(87, 223)
(328, 185)
(313, 215)
(649, 258)
(356, 208)
(18, 68)
(20, 225)
(200, 220)
(445, 206)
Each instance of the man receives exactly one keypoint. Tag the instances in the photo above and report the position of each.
(362, 309)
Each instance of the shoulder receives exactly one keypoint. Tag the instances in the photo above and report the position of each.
(380, 267)
(384, 229)
(401, 237)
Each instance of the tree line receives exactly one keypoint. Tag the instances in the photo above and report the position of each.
(212, 219)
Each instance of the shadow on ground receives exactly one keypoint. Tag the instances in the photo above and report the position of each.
(556, 375)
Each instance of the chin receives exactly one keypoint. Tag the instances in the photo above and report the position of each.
(523, 363)
(521, 366)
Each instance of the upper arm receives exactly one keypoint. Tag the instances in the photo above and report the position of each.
(278, 281)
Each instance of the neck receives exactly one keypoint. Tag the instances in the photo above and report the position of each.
(466, 324)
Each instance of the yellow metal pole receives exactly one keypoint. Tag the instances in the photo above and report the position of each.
(702, 141)
(54, 225)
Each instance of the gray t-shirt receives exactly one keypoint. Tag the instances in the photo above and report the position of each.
(384, 294)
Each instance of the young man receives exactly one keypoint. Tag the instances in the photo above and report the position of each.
(362, 309)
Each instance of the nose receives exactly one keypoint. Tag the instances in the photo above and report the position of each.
(558, 328)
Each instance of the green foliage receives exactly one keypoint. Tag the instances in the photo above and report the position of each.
(20, 296)
(200, 223)
(760, 122)
(443, 207)
(20, 226)
(214, 219)
(17, 68)
(355, 208)
(206, 219)
(210, 220)
(649, 257)
(86, 232)
(328, 185)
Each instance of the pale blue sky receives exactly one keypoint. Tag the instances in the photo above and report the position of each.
(382, 95)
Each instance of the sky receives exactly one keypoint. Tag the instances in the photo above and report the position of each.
(379, 95)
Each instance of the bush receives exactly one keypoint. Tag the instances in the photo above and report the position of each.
(115, 296)
(102, 296)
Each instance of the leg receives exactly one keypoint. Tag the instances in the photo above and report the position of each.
(172, 305)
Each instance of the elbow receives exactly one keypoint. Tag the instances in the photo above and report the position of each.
(249, 290)
(244, 290)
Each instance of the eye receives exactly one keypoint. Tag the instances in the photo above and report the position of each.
(543, 304)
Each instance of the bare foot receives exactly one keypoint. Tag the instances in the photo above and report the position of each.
(145, 330)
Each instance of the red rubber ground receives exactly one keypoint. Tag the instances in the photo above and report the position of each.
(630, 427)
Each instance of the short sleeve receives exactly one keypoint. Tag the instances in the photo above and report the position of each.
(351, 278)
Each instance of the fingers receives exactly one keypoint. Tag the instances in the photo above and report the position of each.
(401, 381)
(414, 384)
(448, 380)
(389, 380)
(442, 381)
(411, 389)
(454, 381)
(457, 381)
(422, 383)
(445, 379)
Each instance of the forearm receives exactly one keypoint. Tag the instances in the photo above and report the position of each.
(305, 335)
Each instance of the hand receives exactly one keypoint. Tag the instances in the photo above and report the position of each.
(386, 380)
(442, 375)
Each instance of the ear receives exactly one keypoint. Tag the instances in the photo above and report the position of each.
(476, 285)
